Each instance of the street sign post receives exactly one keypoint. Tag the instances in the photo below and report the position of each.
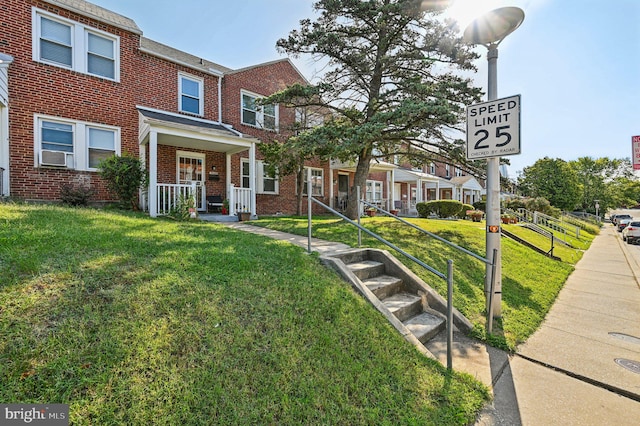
(493, 128)
(635, 146)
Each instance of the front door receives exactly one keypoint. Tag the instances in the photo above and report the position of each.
(190, 170)
(343, 191)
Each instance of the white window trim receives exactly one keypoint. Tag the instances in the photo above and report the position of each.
(260, 175)
(375, 185)
(259, 113)
(306, 174)
(200, 82)
(80, 152)
(79, 43)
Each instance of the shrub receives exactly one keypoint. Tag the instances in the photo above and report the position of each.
(480, 205)
(75, 195)
(124, 177)
(514, 204)
(464, 209)
(442, 208)
(182, 209)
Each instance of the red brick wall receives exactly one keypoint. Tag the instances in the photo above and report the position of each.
(45, 89)
(37, 88)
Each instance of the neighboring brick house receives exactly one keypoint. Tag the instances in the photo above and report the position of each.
(79, 83)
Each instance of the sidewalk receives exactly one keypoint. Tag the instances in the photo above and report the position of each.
(566, 373)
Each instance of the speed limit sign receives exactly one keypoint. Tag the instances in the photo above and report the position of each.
(493, 128)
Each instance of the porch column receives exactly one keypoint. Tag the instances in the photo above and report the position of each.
(419, 191)
(153, 173)
(331, 187)
(252, 177)
(392, 186)
(437, 190)
(227, 185)
(5, 61)
(144, 199)
(4, 151)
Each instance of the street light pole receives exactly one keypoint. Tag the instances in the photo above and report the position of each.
(489, 30)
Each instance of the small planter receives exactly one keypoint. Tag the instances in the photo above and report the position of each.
(224, 211)
(244, 216)
(394, 212)
(370, 213)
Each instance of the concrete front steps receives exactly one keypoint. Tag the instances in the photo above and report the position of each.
(412, 307)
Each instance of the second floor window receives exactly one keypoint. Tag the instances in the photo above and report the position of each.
(191, 94)
(69, 44)
(265, 116)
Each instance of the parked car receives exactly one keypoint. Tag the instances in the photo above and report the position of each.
(621, 223)
(631, 232)
(616, 218)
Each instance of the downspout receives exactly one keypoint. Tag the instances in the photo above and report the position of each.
(220, 99)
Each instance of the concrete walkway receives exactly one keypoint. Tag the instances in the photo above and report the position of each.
(582, 367)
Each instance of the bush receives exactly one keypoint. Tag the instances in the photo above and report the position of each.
(515, 204)
(442, 208)
(124, 177)
(182, 209)
(480, 205)
(464, 209)
(75, 195)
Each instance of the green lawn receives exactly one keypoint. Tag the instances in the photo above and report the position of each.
(137, 321)
(530, 281)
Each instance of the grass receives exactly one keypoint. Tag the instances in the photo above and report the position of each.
(530, 281)
(132, 320)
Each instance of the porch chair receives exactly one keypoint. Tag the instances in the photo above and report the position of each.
(214, 202)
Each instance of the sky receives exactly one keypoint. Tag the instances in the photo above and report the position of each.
(575, 63)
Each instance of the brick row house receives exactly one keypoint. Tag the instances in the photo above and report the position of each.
(79, 83)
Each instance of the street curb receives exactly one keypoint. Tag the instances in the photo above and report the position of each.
(635, 268)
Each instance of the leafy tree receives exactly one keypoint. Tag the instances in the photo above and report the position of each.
(393, 85)
(595, 176)
(554, 180)
(288, 156)
(124, 177)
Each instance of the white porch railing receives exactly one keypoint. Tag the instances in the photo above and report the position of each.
(168, 195)
(239, 200)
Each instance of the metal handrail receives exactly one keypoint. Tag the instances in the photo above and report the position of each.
(377, 237)
(457, 247)
(448, 277)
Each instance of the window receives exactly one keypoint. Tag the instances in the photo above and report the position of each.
(101, 144)
(266, 184)
(447, 170)
(191, 94)
(57, 136)
(265, 116)
(317, 182)
(458, 172)
(69, 44)
(374, 190)
(100, 56)
(74, 144)
(432, 168)
(244, 173)
(55, 42)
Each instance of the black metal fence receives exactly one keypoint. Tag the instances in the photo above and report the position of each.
(1, 182)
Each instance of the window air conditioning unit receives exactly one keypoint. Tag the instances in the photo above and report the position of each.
(53, 158)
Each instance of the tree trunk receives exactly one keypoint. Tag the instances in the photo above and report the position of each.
(359, 180)
(300, 184)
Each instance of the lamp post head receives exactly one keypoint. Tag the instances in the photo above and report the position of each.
(494, 26)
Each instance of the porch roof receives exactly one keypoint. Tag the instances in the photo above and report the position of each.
(405, 175)
(375, 166)
(466, 182)
(187, 132)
